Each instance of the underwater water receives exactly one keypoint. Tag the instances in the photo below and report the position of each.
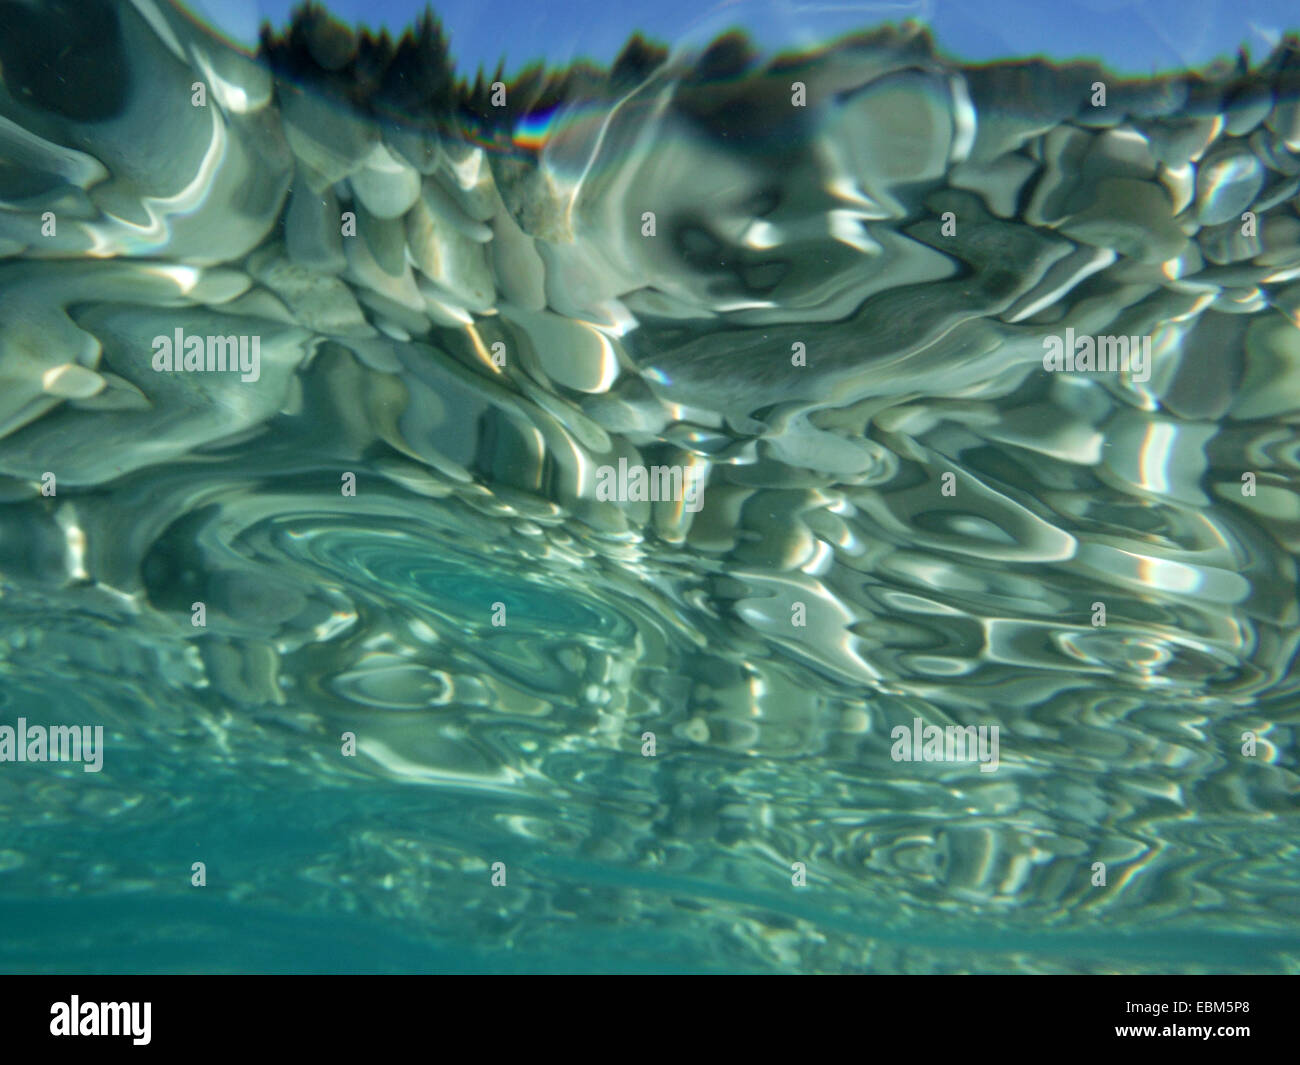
(716, 511)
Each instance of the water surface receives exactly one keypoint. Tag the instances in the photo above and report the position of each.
(821, 283)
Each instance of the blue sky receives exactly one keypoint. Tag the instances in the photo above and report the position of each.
(1133, 36)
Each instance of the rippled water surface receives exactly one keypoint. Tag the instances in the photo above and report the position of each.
(363, 627)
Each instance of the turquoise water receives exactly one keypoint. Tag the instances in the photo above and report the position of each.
(398, 665)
